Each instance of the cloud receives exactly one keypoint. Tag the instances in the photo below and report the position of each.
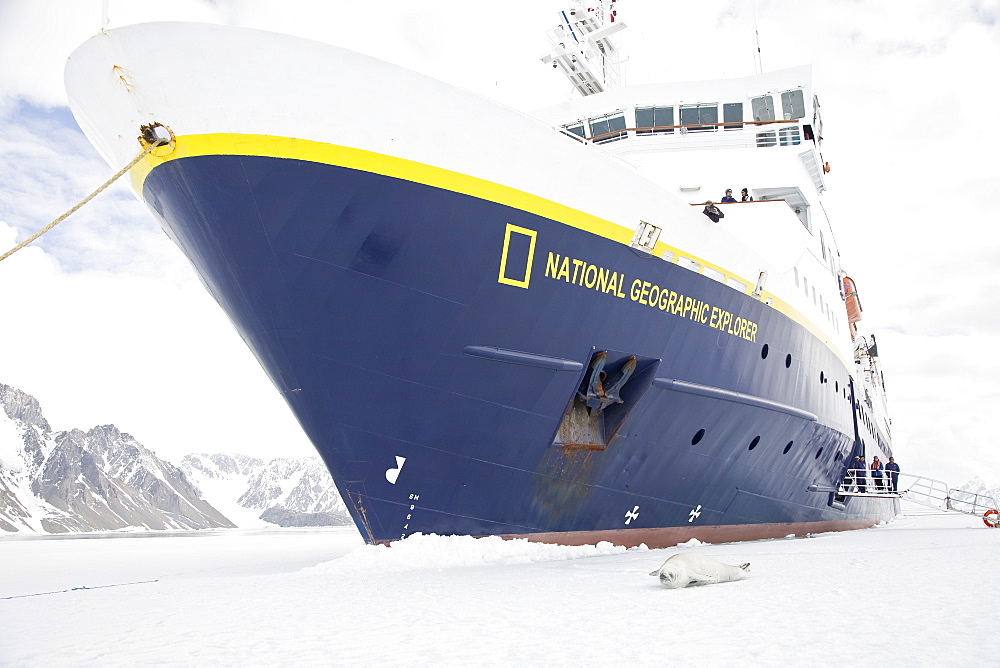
(156, 358)
(104, 320)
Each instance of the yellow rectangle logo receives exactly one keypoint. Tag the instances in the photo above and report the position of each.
(518, 253)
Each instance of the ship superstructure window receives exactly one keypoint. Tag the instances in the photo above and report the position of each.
(607, 128)
(732, 112)
(789, 136)
(763, 108)
(694, 116)
(576, 129)
(654, 117)
(793, 105)
(766, 139)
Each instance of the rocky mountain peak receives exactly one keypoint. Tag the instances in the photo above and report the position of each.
(101, 479)
(23, 407)
(105, 479)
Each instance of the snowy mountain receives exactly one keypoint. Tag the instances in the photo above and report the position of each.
(99, 480)
(985, 491)
(286, 492)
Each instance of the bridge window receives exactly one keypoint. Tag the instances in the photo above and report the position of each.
(694, 116)
(732, 112)
(766, 139)
(653, 117)
(789, 136)
(763, 108)
(793, 105)
(607, 128)
(576, 129)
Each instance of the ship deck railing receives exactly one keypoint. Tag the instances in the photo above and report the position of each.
(860, 482)
(918, 489)
(733, 134)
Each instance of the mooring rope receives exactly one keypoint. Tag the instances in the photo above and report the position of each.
(142, 154)
(63, 591)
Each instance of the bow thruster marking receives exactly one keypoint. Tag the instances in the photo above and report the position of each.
(696, 512)
(631, 515)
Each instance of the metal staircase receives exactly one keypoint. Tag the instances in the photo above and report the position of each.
(938, 495)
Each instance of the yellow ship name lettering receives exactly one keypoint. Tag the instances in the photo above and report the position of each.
(584, 274)
(575, 271)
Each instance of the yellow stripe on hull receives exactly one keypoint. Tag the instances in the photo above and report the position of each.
(188, 146)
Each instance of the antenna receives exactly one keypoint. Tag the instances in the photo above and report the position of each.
(759, 64)
(583, 49)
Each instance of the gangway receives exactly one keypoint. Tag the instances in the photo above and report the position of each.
(923, 491)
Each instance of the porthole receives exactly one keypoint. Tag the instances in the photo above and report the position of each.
(818, 453)
(753, 443)
(787, 448)
(763, 352)
(697, 437)
(788, 361)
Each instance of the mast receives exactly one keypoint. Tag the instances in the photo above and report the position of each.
(582, 46)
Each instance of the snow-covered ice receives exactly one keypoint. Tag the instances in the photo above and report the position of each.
(920, 590)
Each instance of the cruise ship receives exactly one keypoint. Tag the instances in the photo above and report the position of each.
(558, 331)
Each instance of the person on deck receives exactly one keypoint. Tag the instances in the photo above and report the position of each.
(861, 471)
(729, 196)
(877, 473)
(849, 478)
(713, 212)
(746, 196)
(892, 468)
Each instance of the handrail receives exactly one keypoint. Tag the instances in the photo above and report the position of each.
(861, 481)
(756, 201)
(936, 494)
(976, 505)
(653, 129)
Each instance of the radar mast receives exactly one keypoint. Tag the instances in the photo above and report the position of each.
(582, 46)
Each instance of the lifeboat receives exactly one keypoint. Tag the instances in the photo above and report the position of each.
(853, 304)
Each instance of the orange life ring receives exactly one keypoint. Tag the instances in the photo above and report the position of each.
(996, 519)
(826, 168)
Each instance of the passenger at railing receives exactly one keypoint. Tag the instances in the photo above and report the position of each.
(746, 196)
(729, 196)
(713, 212)
(849, 479)
(892, 468)
(877, 473)
(861, 471)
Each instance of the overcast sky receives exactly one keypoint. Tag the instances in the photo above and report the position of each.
(104, 322)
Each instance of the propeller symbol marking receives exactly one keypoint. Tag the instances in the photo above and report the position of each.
(631, 514)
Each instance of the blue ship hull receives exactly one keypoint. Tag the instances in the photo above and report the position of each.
(438, 349)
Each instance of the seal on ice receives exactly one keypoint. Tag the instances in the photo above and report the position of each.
(691, 570)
